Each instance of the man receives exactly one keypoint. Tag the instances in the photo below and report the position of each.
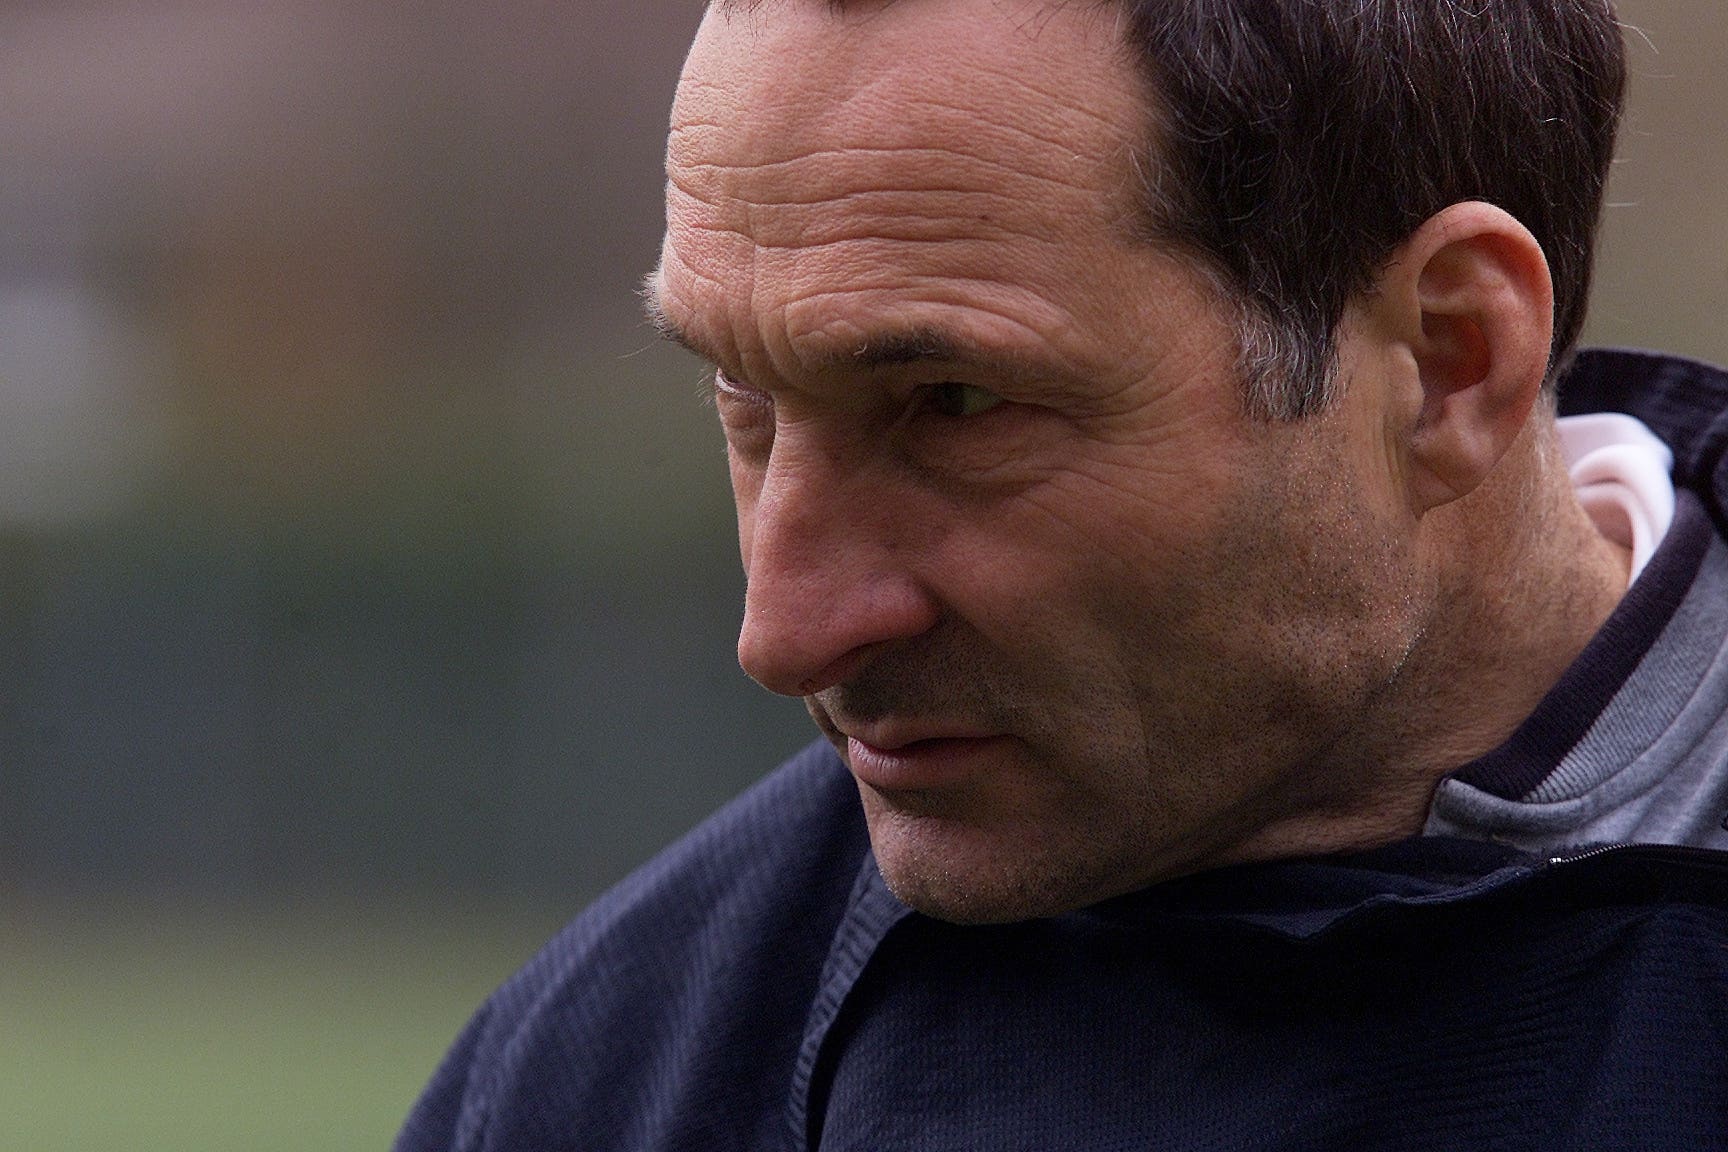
(1141, 417)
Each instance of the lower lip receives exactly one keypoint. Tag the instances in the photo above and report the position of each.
(924, 764)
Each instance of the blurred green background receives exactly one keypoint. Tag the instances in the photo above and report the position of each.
(367, 586)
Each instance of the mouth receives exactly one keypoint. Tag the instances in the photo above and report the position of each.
(922, 764)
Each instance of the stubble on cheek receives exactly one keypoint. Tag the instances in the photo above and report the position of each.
(1315, 613)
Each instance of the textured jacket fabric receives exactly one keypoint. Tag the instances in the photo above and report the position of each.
(757, 988)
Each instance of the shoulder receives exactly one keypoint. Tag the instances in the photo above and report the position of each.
(673, 1008)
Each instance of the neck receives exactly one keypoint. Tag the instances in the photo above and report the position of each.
(1523, 581)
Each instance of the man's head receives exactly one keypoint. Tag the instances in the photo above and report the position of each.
(1075, 613)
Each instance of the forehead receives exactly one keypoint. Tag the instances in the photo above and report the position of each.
(879, 74)
(882, 142)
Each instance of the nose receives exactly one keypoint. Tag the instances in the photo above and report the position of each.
(827, 577)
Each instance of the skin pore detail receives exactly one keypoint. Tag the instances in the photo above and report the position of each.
(1075, 621)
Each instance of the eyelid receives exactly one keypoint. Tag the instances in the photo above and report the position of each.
(749, 395)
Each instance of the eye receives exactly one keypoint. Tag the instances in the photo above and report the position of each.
(961, 400)
(726, 389)
(746, 416)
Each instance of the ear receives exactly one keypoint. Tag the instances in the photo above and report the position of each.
(1470, 295)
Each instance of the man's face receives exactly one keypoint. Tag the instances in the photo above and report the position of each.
(1074, 622)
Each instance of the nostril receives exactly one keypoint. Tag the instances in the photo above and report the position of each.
(805, 635)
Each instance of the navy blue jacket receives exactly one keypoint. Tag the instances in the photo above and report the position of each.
(757, 988)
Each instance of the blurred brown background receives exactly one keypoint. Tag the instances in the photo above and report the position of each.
(367, 585)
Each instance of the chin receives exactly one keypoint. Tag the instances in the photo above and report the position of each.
(961, 875)
(961, 903)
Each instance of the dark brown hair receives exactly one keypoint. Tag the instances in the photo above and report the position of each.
(1299, 142)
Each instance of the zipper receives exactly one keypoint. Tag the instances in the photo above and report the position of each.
(1712, 858)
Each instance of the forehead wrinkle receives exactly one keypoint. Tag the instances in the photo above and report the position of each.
(845, 158)
(776, 293)
(810, 234)
(818, 330)
(937, 224)
(683, 298)
(787, 134)
(1028, 135)
(874, 277)
(887, 118)
(842, 166)
(824, 212)
(723, 171)
(901, 122)
(890, 83)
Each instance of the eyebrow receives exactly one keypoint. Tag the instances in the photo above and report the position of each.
(890, 348)
(664, 324)
(912, 346)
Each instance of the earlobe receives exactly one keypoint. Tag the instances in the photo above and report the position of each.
(1479, 314)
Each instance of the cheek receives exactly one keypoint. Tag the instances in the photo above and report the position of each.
(1145, 591)
(1124, 526)
(1063, 568)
